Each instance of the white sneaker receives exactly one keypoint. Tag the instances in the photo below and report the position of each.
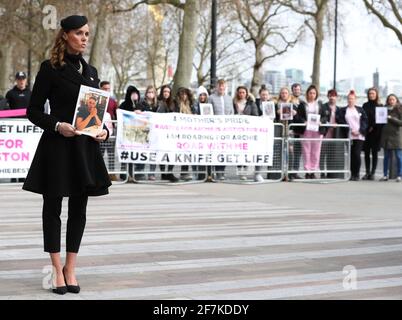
(385, 178)
(398, 179)
(258, 178)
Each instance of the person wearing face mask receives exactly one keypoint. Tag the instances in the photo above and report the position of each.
(131, 100)
(130, 103)
(391, 137)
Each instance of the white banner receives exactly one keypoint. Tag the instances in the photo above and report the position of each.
(18, 142)
(180, 139)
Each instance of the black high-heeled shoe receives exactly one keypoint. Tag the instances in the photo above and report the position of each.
(58, 290)
(70, 288)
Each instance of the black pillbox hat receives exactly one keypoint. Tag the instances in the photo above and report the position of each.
(73, 22)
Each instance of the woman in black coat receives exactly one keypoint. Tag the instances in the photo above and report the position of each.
(131, 103)
(356, 118)
(373, 137)
(65, 164)
(166, 104)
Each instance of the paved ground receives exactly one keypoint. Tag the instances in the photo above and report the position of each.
(217, 241)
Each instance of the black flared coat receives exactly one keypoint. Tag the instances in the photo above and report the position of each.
(64, 166)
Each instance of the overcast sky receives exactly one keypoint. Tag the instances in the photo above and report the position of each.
(366, 45)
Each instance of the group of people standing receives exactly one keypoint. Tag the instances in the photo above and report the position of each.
(318, 155)
(362, 129)
(68, 164)
(367, 134)
(184, 102)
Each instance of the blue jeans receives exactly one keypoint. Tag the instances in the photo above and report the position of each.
(387, 156)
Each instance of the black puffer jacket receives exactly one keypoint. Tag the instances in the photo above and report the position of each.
(144, 106)
(128, 104)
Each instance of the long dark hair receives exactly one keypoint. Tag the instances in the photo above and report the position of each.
(236, 99)
(169, 101)
(377, 96)
(312, 87)
(392, 95)
(190, 99)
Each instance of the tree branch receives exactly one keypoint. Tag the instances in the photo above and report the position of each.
(395, 11)
(383, 20)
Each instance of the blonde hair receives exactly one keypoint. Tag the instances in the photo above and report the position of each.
(57, 52)
(287, 89)
(151, 88)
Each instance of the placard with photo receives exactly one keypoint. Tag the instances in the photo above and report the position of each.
(313, 122)
(286, 111)
(90, 110)
(268, 109)
(381, 115)
(206, 109)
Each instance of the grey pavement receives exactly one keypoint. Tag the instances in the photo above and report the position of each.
(217, 241)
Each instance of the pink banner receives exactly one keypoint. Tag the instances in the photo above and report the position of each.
(13, 113)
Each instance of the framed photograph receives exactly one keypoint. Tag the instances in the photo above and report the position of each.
(90, 110)
(313, 122)
(381, 115)
(268, 109)
(206, 109)
(286, 110)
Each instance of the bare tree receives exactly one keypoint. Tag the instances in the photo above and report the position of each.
(187, 38)
(314, 12)
(264, 30)
(389, 12)
(23, 21)
(127, 52)
(228, 38)
(6, 43)
(101, 35)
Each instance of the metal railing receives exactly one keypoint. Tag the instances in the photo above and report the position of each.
(289, 160)
(317, 159)
(118, 172)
